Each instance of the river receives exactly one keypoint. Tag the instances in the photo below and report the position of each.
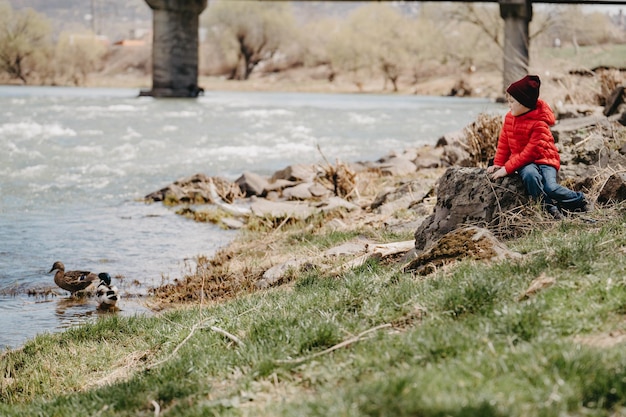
(76, 162)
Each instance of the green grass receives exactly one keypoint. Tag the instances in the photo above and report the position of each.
(461, 344)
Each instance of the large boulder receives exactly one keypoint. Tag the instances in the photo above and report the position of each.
(467, 196)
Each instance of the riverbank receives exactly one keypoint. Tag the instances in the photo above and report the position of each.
(487, 84)
(540, 335)
(479, 338)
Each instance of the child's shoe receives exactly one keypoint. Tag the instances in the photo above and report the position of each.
(555, 213)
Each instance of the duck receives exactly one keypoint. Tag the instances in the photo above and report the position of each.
(72, 281)
(106, 294)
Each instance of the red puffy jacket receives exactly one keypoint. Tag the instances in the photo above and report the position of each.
(526, 138)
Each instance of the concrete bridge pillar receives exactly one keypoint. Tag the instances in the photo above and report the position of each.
(517, 15)
(175, 47)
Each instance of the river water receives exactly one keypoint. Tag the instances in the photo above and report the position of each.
(76, 162)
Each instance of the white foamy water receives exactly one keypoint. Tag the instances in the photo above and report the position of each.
(75, 163)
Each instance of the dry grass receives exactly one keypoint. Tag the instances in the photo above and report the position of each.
(340, 177)
(481, 138)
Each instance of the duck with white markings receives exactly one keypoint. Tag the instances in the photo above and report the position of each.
(73, 281)
(106, 294)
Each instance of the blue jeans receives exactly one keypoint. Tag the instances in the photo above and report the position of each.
(541, 184)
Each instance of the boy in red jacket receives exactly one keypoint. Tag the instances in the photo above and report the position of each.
(526, 146)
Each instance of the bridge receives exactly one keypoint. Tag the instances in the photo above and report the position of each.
(175, 41)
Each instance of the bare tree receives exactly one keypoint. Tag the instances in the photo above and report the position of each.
(77, 55)
(487, 19)
(24, 34)
(250, 32)
(374, 39)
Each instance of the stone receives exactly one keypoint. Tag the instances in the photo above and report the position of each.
(319, 191)
(277, 273)
(299, 192)
(566, 126)
(232, 223)
(354, 247)
(334, 203)
(467, 196)
(416, 189)
(428, 157)
(452, 138)
(391, 207)
(455, 155)
(296, 172)
(252, 184)
(397, 166)
(467, 242)
(589, 151)
(614, 189)
(613, 101)
(278, 209)
(197, 188)
(279, 185)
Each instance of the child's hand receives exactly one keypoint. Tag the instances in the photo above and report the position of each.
(500, 173)
(492, 169)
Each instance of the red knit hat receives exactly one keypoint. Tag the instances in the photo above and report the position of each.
(526, 91)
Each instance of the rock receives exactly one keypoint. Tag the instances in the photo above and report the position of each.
(391, 207)
(252, 184)
(428, 157)
(171, 194)
(589, 151)
(614, 189)
(613, 101)
(381, 252)
(196, 189)
(354, 247)
(452, 138)
(456, 155)
(275, 274)
(274, 209)
(566, 126)
(334, 203)
(297, 172)
(319, 191)
(337, 225)
(578, 177)
(416, 190)
(468, 242)
(397, 166)
(540, 283)
(299, 192)
(467, 196)
(575, 111)
(232, 223)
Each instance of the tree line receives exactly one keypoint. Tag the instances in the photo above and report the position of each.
(374, 40)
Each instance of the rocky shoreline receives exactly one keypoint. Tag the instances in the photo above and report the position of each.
(429, 191)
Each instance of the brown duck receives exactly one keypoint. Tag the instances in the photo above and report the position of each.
(72, 281)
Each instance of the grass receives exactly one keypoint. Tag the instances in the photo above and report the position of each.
(371, 342)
